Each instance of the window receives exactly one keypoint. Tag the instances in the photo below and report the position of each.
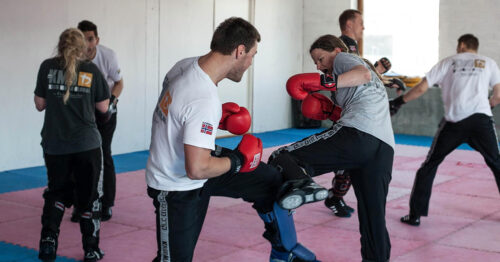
(405, 31)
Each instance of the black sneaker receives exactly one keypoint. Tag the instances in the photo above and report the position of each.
(106, 214)
(338, 206)
(303, 192)
(411, 220)
(48, 249)
(93, 255)
(75, 216)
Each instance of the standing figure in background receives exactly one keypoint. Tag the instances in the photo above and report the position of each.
(71, 90)
(106, 61)
(465, 80)
(351, 27)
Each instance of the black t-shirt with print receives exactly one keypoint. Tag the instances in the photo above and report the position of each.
(352, 45)
(70, 128)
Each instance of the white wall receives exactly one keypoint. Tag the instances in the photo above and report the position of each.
(480, 18)
(320, 17)
(279, 56)
(30, 31)
(149, 36)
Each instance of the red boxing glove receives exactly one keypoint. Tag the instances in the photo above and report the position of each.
(300, 85)
(250, 148)
(319, 107)
(235, 119)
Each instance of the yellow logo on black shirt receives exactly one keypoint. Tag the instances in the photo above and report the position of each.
(85, 79)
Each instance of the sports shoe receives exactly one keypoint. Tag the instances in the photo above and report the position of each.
(338, 206)
(93, 255)
(106, 214)
(75, 216)
(302, 192)
(411, 220)
(48, 249)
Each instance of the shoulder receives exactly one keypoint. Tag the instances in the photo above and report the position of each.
(50, 62)
(345, 57)
(180, 68)
(88, 65)
(106, 52)
(487, 59)
(105, 49)
(185, 63)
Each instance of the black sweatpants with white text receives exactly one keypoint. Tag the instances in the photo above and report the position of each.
(478, 131)
(180, 214)
(369, 161)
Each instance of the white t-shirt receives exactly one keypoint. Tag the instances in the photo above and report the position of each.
(106, 61)
(465, 80)
(188, 112)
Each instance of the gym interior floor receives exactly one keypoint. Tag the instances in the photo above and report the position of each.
(463, 223)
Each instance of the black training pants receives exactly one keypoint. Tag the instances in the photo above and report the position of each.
(369, 161)
(180, 214)
(84, 169)
(109, 180)
(478, 131)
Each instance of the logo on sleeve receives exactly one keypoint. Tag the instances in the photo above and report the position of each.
(206, 128)
(85, 79)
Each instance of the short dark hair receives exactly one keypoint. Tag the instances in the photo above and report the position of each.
(328, 43)
(233, 32)
(86, 26)
(346, 16)
(470, 41)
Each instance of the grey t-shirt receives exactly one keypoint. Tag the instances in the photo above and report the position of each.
(364, 107)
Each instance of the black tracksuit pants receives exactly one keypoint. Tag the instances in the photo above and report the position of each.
(369, 161)
(109, 180)
(180, 214)
(81, 173)
(478, 131)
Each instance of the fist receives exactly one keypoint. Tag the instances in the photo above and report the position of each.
(250, 148)
(235, 119)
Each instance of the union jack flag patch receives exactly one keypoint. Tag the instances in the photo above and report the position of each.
(206, 128)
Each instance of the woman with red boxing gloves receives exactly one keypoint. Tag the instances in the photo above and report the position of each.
(361, 140)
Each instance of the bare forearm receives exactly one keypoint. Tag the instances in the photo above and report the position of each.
(40, 103)
(117, 88)
(201, 165)
(495, 97)
(416, 91)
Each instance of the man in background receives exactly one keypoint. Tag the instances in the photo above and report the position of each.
(106, 61)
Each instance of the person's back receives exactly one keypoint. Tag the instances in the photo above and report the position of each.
(465, 80)
(70, 127)
(71, 90)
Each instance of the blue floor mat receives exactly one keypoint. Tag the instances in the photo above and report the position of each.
(10, 252)
(34, 177)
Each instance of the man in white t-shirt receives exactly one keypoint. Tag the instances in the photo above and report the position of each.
(185, 168)
(465, 80)
(106, 61)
